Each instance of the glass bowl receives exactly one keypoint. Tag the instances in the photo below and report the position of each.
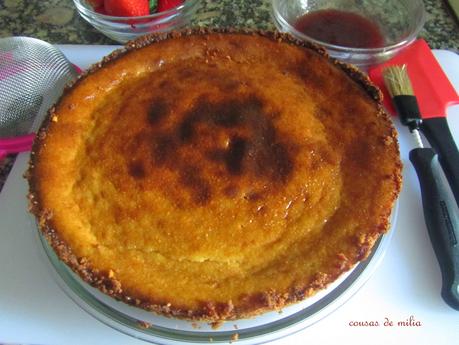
(397, 22)
(123, 29)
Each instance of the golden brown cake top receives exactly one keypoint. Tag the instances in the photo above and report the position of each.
(215, 175)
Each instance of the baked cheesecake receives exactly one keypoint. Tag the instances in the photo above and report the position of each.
(215, 175)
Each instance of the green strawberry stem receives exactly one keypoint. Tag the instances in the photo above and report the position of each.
(153, 5)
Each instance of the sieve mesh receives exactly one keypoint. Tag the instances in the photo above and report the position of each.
(32, 73)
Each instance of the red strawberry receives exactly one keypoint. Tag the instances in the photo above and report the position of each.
(127, 8)
(164, 5)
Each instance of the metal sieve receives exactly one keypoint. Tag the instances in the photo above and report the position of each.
(33, 74)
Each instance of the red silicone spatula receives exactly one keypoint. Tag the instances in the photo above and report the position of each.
(435, 94)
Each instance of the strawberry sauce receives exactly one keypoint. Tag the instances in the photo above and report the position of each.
(340, 28)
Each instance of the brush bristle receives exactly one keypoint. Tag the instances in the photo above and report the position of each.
(397, 81)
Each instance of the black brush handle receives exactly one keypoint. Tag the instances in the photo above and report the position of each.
(441, 220)
(437, 132)
(408, 110)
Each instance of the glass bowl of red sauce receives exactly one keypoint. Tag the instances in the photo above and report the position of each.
(360, 32)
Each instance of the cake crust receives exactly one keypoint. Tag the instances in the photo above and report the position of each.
(282, 159)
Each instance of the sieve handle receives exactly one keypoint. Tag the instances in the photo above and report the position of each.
(16, 144)
(12, 142)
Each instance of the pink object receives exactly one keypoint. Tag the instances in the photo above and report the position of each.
(16, 144)
(77, 69)
(12, 69)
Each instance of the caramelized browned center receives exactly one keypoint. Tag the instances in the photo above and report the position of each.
(213, 149)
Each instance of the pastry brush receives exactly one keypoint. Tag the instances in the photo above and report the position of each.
(435, 95)
(440, 214)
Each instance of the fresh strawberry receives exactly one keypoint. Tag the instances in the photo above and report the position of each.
(164, 5)
(127, 8)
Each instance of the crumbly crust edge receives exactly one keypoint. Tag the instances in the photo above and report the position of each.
(251, 305)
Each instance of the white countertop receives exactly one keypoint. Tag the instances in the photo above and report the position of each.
(34, 310)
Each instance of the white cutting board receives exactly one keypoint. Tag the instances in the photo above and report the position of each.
(34, 310)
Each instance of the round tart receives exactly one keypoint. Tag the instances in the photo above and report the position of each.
(215, 175)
